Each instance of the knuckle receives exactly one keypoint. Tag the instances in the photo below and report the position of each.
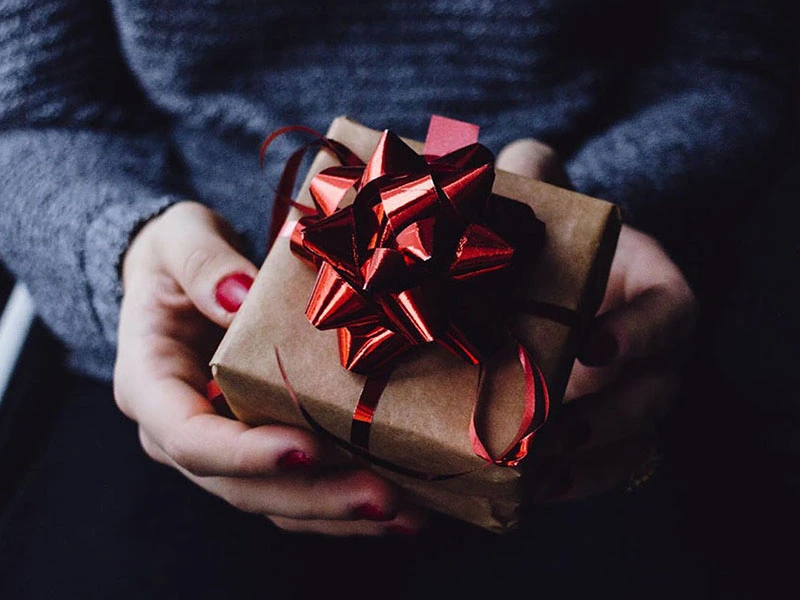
(543, 152)
(180, 451)
(121, 397)
(534, 159)
(148, 446)
(197, 262)
(186, 209)
(535, 149)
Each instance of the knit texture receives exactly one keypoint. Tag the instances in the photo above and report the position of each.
(110, 111)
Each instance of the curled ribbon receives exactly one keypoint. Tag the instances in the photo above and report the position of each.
(412, 250)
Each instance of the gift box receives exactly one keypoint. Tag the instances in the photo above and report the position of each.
(438, 425)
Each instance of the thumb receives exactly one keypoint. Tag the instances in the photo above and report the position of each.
(531, 158)
(197, 252)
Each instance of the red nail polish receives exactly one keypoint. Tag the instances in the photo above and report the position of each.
(294, 460)
(369, 512)
(232, 290)
(600, 349)
(400, 530)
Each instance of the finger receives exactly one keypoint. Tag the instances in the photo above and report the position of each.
(152, 449)
(408, 522)
(630, 405)
(183, 424)
(653, 311)
(196, 251)
(585, 380)
(344, 494)
(592, 472)
(531, 158)
(337, 495)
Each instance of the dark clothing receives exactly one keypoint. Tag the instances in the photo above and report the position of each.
(96, 518)
(111, 110)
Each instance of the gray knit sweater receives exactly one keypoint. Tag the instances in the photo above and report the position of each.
(112, 109)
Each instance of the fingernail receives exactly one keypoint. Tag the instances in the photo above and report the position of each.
(574, 434)
(600, 349)
(232, 290)
(369, 512)
(294, 460)
(400, 530)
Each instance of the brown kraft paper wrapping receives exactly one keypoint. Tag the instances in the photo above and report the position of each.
(422, 420)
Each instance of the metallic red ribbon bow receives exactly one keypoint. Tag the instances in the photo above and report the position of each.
(395, 261)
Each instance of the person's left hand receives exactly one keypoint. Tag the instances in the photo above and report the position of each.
(627, 375)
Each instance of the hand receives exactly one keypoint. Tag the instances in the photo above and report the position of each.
(627, 375)
(179, 295)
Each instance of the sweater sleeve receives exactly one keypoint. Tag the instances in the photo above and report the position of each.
(83, 164)
(701, 122)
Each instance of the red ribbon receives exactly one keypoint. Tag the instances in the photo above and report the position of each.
(412, 250)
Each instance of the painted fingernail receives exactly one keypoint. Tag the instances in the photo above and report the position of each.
(369, 512)
(232, 290)
(400, 530)
(294, 460)
(600, 349)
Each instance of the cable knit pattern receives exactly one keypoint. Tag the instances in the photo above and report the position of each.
(111, 110)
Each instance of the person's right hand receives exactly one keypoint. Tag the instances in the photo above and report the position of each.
(183, 280)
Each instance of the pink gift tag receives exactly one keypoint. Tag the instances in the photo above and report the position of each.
(447, 135)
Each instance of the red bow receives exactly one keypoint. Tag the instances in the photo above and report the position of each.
(399, 241)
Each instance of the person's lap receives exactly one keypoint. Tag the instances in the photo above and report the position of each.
(94, 517)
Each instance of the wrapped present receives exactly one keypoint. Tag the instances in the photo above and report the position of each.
(422, 311)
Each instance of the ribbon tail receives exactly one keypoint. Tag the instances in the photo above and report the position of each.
(365, 408)
(283, 196)
(283, 193)
(345, 156)
(534, 414)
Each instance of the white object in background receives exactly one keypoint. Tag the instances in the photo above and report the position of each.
(15, 324)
